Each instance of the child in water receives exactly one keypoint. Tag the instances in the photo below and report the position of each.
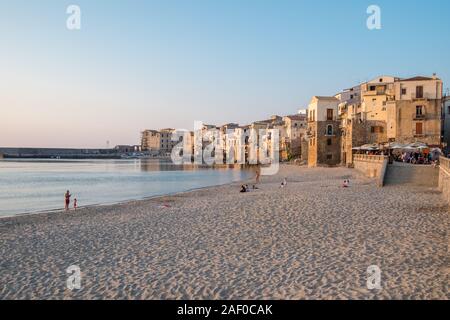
(75, 203)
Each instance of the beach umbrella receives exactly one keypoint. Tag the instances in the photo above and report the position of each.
(370, 147)
(418, 145)
(396, 145)
(436, 150)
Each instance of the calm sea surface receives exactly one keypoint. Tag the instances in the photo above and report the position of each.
(39, 185)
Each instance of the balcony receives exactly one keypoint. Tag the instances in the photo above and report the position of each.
(379, 90)
(422, 97)
(419, 117)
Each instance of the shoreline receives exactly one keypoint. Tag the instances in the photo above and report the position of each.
(124, 202)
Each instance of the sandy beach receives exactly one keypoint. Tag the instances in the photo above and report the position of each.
(313, 239)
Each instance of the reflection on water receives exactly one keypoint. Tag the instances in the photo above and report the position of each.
(37, 185)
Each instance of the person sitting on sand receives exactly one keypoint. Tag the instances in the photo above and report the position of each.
(284, 183)
(243, 189)
(67, 199)
(346, 183)
(75, 203)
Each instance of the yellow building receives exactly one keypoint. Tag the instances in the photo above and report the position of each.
(150, 140)
(388, 109)
(323, 134)
(417, 112)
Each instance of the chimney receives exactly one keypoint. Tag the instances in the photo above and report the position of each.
(434, 76)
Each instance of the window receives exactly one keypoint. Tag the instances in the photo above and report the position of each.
(448, 109)
(419, 92)
(329, 142)
(403, 91)
(381, 89)
(330, 114)
(329, 130)
(376, 129)
(372, 88)
(419, 110)
(351, 96)
(381, 79)
(419, 128)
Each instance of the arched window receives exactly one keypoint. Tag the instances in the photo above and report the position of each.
(329, 130)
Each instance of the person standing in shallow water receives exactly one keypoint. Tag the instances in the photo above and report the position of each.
(67, 199)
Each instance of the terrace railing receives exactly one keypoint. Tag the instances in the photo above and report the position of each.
(366, 157)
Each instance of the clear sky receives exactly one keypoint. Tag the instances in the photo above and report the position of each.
(166, 63)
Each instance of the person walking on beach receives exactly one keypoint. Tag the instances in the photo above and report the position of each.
(67, 199)
(75, 203)
(258, 173)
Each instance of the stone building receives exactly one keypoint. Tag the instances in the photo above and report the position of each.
(356, 128)
(390, 109)
(418, 111)
(167, 143)
(295, 129)
(411, 108)
(229, 142)
(324, 147)
(158, 141)
(151, 140)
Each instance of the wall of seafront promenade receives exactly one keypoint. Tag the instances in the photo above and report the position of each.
(371, 166)
(444, 178)
(400, 173)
